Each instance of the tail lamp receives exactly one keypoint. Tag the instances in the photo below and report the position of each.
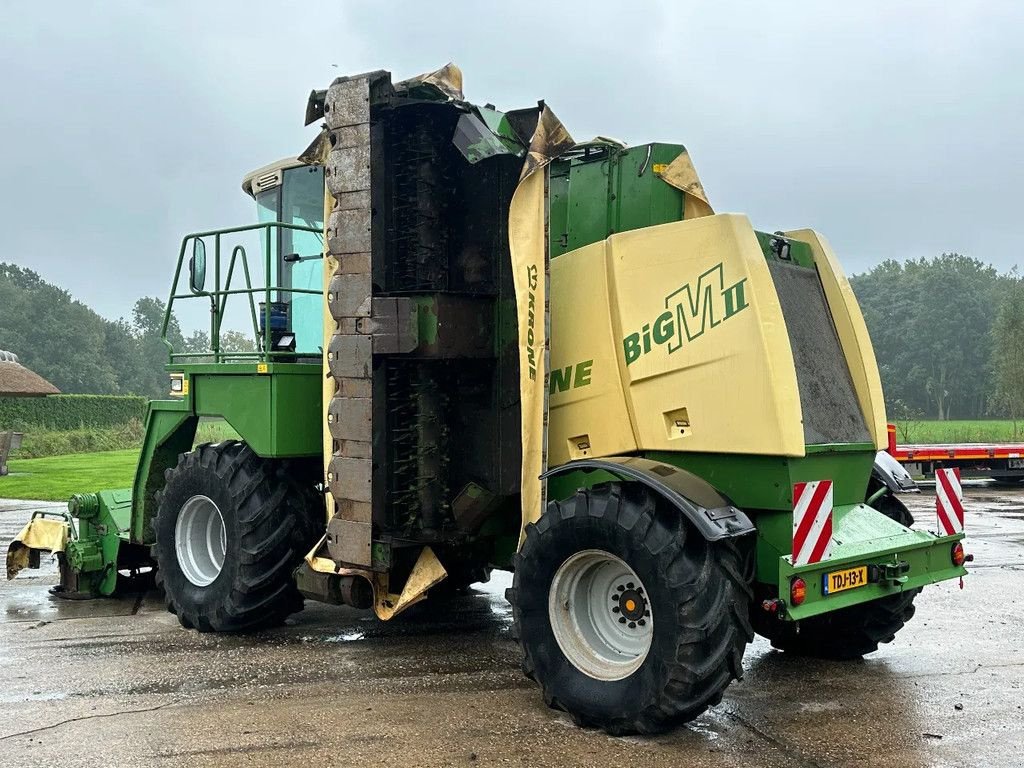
(956, 554)
(797, 591)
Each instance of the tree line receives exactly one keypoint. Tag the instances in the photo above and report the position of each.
(948, 334)
(81, 352)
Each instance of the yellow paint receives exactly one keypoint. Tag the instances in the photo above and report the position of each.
(183, 383)
(526, 224)
(329, 385)
(40, 533)
(853, 334)
(681, 174)
(261, 367)
(427, 572)
(316, 560)
(732, 389)
(630, 605)
(582, 328)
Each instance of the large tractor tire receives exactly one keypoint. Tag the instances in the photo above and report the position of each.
(628, 618)
(849, 633)
(230, 529)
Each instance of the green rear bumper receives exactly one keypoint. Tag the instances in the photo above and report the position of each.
(863, 536)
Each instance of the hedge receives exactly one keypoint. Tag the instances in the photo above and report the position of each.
(69, 412)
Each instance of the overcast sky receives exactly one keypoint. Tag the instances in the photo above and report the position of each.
(893, 128)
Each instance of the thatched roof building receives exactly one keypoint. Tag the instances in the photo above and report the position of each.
(18, 381)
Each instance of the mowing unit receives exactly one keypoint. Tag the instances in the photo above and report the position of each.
(483, 345)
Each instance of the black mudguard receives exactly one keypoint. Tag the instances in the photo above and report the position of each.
(696, 499)
(890, 473)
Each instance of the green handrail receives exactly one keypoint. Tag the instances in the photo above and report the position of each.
(218, 297)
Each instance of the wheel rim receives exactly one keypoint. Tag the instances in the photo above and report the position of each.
(200, 540)
(600, 615)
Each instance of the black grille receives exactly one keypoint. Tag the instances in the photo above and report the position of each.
(827, 398)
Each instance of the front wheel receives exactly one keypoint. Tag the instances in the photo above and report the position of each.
(230, 529)
(628, 618)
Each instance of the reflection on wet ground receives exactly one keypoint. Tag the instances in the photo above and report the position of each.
(118, 682)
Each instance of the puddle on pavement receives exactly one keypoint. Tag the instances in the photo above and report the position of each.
(25, 698)
(350, 637)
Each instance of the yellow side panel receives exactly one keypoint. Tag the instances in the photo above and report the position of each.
(689, 315)
(526, 229)
(853, 334)
(329, 386)
(587, 407)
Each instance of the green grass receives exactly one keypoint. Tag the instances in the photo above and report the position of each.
(55, 478)
(83, 464)
(990, 431)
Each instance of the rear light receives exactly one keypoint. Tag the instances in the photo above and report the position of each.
(956, 554)
(797, 591)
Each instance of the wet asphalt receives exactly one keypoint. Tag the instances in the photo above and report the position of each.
(117, 682)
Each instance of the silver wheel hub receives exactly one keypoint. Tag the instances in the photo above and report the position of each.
(600, 615)
(200, 540)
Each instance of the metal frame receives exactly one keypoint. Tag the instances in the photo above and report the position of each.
(219, 296)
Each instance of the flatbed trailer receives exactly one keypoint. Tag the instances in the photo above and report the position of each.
(1003, 462)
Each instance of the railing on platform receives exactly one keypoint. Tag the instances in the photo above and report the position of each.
(218, 297)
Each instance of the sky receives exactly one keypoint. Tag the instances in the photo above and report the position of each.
(892, 128)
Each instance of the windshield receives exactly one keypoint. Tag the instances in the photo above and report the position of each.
(298, 256)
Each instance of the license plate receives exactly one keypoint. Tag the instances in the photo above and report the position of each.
(848, 578)
(1016, 463)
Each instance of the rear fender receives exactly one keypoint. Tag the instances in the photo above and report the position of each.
(696, 499)
(890, 473)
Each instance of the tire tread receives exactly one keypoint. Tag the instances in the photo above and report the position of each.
(276, 527)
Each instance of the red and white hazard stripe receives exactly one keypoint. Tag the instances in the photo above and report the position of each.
(812, 521)
(949, 501)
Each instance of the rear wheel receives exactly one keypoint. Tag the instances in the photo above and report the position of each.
(629, 619)
(849, 633)
(230, 529)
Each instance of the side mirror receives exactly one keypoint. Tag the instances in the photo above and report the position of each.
(197, 266)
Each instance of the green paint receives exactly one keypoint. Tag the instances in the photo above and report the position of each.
(583, 371)
(426, 319)
(766, 482)
(928, 557)
(607, 189)
(560, 379)
(571, 377)
(278, 413)
(170, 430)
(691, 310)
(775, 246)
(102, 523)
(500, 126)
